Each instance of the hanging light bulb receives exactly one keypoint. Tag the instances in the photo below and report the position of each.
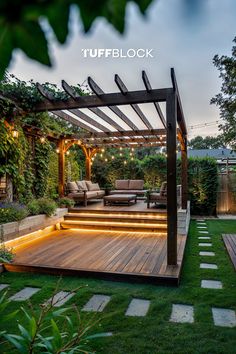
(106, 160)
(132, 149)
(103, 150)
(130, 154)
(132, 158)
(125, 162)
(66, 141)
(15, 133)
(68, 152)
(121, 148)
(112, 157)
(57, 150)
(101, 155)
(42, 139)
(121, 154)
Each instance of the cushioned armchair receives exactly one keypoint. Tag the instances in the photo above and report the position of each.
(82, 191)
(161, 197)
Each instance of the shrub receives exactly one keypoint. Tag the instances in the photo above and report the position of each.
(47, 206)
(65, 202)
(34, 207)
(12, 212)
(6, 254)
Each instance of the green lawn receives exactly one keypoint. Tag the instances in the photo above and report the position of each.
(154, 334)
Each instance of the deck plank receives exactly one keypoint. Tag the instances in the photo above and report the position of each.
(98, 252)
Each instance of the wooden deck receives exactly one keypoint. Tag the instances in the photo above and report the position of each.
(112, 255)
(230, 244)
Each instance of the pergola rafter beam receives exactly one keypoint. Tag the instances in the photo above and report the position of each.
(98, 91)
(44, 92)
(180, 113)
(125, 133)
(69, 90)
(89, 120)
(74, 121)
(156, 104)
(135, 107)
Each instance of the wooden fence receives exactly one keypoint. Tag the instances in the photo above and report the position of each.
(226, 195)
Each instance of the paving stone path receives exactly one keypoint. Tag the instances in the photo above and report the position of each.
(182, 313)
(3, 286)
(97, 303)
(24, 294)
(208, 266)
(205, 244)
(60, 298)
(138, 307)
(224, 317)
(207, 253)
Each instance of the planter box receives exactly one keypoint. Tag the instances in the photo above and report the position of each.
(30, 224)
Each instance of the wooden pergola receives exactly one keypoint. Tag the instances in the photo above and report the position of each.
(95, 135)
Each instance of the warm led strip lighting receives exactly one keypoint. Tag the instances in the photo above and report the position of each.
(112, 223)
(136, 233)
(119, 215)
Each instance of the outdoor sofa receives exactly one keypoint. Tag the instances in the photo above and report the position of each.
(82, 191)
(129, 186)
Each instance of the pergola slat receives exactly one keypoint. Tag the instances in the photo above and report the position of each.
(69, 90)
(74, 121)
(180, 113)
(124, 133)
(106, 118)
(44, 92)
(98, 91)
(135, 107)
(89, 120)
(156, 104)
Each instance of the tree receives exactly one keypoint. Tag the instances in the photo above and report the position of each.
(20, 23)
(209, 142)
(226, 100)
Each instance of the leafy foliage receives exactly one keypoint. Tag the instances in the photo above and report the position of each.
(65, 202)
(203, 183)
(12, 212)
(209, 142)
(226, 100)
(20, 23)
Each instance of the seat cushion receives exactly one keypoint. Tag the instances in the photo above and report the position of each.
(119, 191)
(76, 195)
(82, 185)
(93, 187)
(100, 193)
(136, 184)
(91, 194)
(163, 189)
(122, 184)
(72, 187)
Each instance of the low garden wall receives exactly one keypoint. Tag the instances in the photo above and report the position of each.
(30, 224)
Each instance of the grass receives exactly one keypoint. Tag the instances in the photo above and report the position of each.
(154, 334)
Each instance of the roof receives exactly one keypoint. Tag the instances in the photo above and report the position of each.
(217, 154)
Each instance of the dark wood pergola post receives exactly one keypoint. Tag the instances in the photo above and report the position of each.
(61, 166)
(184, 173)
(171, 117)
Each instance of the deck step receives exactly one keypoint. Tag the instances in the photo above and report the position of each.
(140, 219)
(160, 214)
(117, 226)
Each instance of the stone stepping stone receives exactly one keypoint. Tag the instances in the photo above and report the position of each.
(182, 313)
(107, 334)
(204, 238)
(60, 298)
(24, 294)
(97, 303)
(205, 244)
(138, 307)
(200, 220)
(223, 317)
(208, 266)
(202, 227)
(203, 232)
(3, 286)
(211, 284)
(206, 253)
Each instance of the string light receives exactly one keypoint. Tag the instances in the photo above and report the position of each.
(103, 150)
(101, 155)
(15, 133)
(57, 150)
(66, 141)
(125, 162)
(42, 139)
(106, 160)
(68, 153)
(121, 154)
(112, 157)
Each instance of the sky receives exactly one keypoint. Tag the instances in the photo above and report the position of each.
(184, 34)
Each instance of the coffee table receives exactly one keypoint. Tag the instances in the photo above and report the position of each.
(119, 198)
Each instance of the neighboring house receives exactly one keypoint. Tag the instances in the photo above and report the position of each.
(221, 155)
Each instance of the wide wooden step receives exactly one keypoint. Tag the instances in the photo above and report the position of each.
(117, 226)
(140, 219)
(159, 214)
